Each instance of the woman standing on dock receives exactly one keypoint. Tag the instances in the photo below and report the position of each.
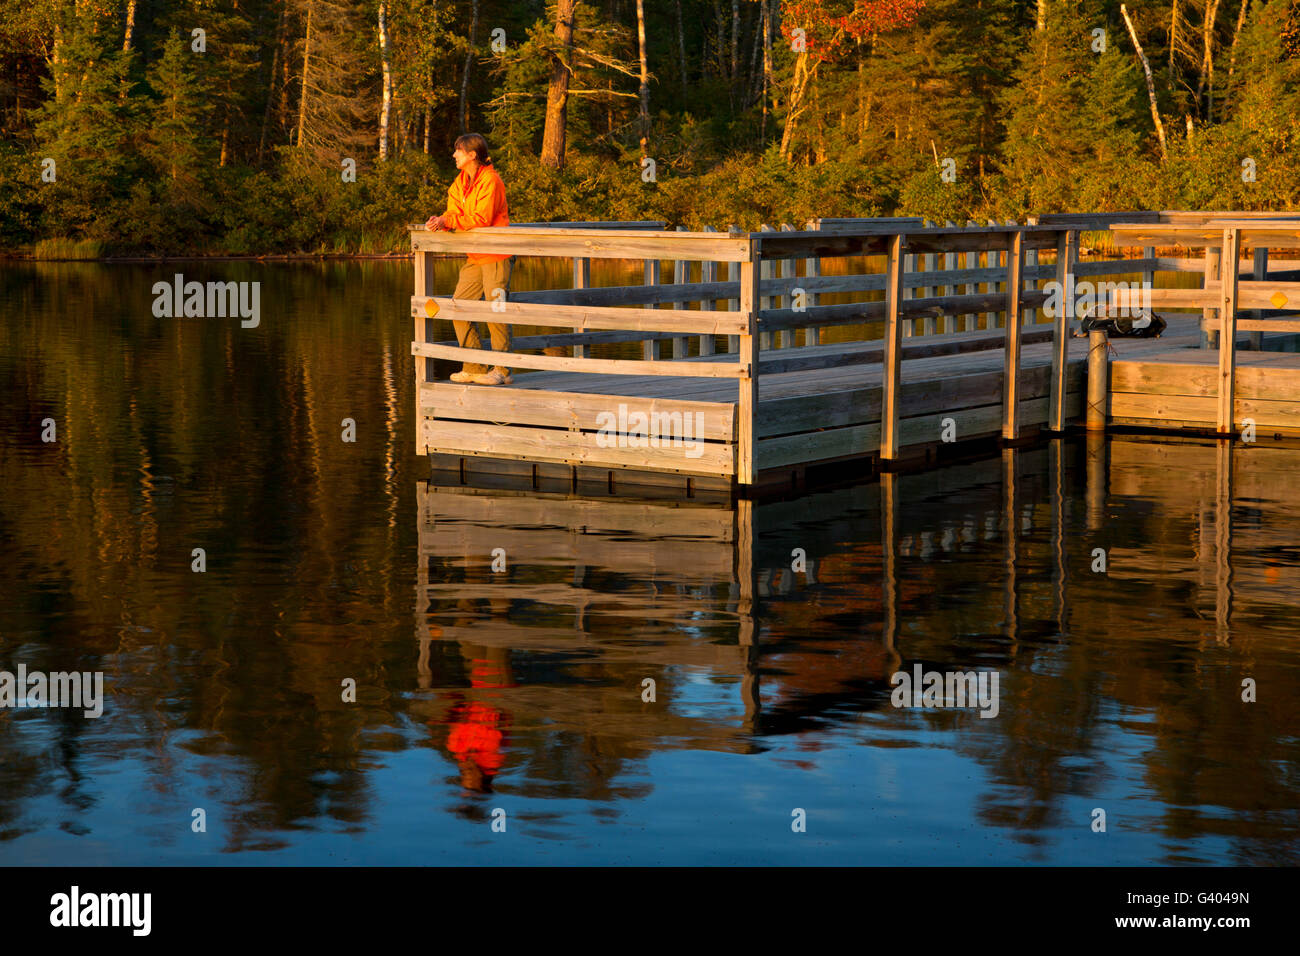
(477, 197)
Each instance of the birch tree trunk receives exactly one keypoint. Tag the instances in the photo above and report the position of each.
(798, 84)
(1173, 43)
(386, 101)
(306, 73)
(270, 93)
(1241, 21)
(1207, 58)
(557, 97)
(645, 80)
(767, 65)
(464, 74)
(130, 25)
(681, 46)
(735, 39)
(1151, 86)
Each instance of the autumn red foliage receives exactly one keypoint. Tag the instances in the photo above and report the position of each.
(829, 24)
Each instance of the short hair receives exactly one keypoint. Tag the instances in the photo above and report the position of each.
(475, 143)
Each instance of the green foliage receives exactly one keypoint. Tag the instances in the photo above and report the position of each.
(163, 149)
(20, 199)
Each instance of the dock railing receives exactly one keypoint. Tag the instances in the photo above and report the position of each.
(765, 302)
(1223, 294)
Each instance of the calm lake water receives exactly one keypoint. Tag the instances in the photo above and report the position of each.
(521, 689)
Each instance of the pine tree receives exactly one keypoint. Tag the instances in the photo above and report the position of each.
(1073, 118)
(182, 146)
(90, 125)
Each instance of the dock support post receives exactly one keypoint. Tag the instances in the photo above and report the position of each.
(1011, 546)
(1223, 542)
(893, 350)
(1096, 469)
(889, 560)
(1067, 250)
(1228, 329)
(1011, 366)
(1098, 380)
(747, 404)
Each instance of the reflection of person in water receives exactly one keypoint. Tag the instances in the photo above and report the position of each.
(479, 732)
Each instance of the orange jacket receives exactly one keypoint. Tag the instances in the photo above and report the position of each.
(477, 202)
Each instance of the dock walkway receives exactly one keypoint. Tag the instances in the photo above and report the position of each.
(705, 418)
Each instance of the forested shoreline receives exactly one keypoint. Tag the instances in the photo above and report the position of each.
(248, 127)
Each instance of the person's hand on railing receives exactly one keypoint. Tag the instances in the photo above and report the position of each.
(436, 223)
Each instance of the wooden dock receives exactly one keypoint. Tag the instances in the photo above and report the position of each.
(741, 404)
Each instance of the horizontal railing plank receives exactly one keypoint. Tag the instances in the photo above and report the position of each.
(563, 363)
(691, 321)
(586, 243)
(1250, 295)
(853, 312)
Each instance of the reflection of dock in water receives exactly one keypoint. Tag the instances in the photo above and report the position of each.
(782, 612)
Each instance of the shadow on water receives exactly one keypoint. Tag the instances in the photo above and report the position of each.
(770, 630)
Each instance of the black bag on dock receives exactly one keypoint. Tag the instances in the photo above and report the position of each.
(1139, 328)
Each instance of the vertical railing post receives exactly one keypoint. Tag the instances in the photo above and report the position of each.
(812, 269)
(788, 270)
(929, 263)
(1229, 267)
(708, 273)
(733, 305)
(969, 320)
(650, 347)
(1031, 273)
(747, 404)
(1011, 364)
(1212, 258)
(766, 268)
(681, 275)
(909, 270)
(1148, 275)
(581, 280)
(949, 264)
(993, 261)
(1259, 274)
(893, 352)
(1067, 249)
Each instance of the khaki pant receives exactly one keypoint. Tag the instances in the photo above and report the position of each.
(480, 280)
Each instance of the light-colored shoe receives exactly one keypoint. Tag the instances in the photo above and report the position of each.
(490, 378)
(462, 377)
(506, 377)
